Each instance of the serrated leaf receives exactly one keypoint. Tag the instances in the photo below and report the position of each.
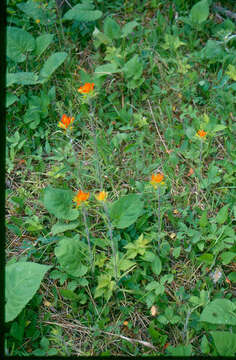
(69, 255)
(51, 65)
(125, 211)
(22, 282)
(69, 294)
(59, 203)
(219, 311)
(19, 42)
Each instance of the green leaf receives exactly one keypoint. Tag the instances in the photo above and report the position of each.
(218, 128)
(205, 348)
(22, 78)
(61, 227)
(22, 280)
(156, 265)
(222, 215)
(42, 43)
(199, 12)
(203, 221)
(227, 257)
(180, 350)
(106, 69)
(33, 10)
(125, 211)
(128, 28)
(133, 68)
(10, 99)
(207, 258)
(69, 255)
(225, 342)
(70, 295)
(112, 29)
(59, 203)
(83, 12)
(176, 252)
(19, 42)
(232, 276)
(50, 66)
(219, 311)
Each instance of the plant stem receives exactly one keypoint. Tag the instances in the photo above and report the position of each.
(112, 241)
(87, 234)
(159, 214)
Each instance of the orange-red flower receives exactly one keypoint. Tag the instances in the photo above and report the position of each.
(157, 179)
(66, 121)
(102, 196)
(201, 134)
(80, 197)
(86, 88)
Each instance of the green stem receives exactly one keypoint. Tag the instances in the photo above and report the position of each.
(87, 234)
(112, 241)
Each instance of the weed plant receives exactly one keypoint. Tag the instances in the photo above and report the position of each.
(120, 178)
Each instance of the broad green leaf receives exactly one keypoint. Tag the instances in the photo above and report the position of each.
(225, 342)
(156, 265)
(83, 12)
(51, 64)
(133, 68)
(227, 257)
(112, 29)
(33, 10)
(61, 227)
(218, 128)
(59, 203)
(19, 42)
(205, 348)
(219, 311)
(106, 69)
(128, 28)
(203, 221)
(207, 258)
(69, 255)
(22, 280)
(42, 43)
(180, 350)
(100, 38)
(125, 211)
(232, 276)
(231, 72)
(22, 78)
(68, 294)
(199, 12)
(10, 99)
(222, 215)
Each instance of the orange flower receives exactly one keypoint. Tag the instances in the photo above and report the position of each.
(102, 196)
(157, 179)
(201, 134)
(80, 197)
(66, 121)
(86, 88)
